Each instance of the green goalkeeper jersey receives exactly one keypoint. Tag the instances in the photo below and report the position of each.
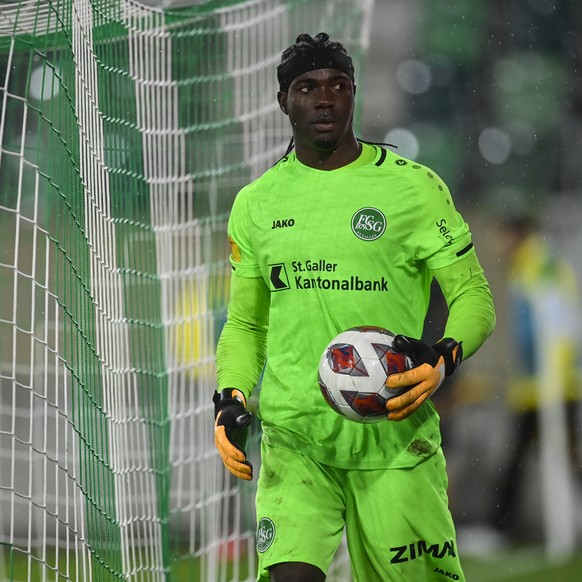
(343, 248)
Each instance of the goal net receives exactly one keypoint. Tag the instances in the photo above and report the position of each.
(126, 130)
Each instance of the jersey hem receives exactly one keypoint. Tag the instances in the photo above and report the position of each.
(401, 461)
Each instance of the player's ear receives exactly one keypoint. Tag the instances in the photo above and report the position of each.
(282, 99)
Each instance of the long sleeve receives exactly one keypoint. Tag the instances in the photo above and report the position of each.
(242, 346)
(471, 317)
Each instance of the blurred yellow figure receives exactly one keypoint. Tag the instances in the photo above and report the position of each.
(197, 321)
(545, 293)
(190, 330)
(545, 387)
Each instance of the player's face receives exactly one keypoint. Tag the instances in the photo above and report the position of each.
(320, 106)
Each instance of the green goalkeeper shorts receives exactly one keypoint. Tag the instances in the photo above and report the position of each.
(397, 521)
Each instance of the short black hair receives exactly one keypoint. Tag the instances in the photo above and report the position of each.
(310, 53)
(305, 42)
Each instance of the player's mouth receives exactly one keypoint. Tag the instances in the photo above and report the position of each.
(325, 123)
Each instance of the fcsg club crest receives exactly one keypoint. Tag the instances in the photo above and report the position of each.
(265, 534)
(368, 223)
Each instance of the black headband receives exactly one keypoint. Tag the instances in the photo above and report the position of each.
(310, 60)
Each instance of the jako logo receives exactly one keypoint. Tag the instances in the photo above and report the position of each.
(283, 223)
(368, 223)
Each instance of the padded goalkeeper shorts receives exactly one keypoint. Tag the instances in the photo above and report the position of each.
(397, 521)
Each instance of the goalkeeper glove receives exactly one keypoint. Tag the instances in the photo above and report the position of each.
(232, 420)
(432, 365)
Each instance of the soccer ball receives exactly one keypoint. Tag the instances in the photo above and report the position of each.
(353, 370)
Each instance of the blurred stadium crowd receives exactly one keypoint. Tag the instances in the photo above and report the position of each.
(491, 92)
(489, 95)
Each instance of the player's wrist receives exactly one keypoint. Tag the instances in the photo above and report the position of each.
(228, 397)
(452, 353)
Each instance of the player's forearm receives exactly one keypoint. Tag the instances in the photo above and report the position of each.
(242, 347)
(240, 357)
(471, 317)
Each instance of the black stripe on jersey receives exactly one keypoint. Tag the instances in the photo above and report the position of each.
(465, 250)
(382, 157)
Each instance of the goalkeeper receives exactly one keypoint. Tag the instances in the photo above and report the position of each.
(341, 233)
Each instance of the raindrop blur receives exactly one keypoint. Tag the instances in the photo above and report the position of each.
(414, 76)
(405, 141)
(509, 75)
(44, 84)
(494, 145)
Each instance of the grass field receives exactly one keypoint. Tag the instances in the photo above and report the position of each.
(524, 565)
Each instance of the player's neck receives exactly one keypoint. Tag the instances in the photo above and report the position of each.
(345, 153)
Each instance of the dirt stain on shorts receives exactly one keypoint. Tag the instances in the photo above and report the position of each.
(420, 448)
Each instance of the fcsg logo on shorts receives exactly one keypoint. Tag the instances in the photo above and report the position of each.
(368, 223)
(265, 534)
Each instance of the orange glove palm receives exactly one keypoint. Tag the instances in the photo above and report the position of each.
(232, 420)
(433, 364)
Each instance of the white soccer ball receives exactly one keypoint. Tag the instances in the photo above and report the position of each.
(353, 370)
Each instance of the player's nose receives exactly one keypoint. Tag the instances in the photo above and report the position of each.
(324, 97)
